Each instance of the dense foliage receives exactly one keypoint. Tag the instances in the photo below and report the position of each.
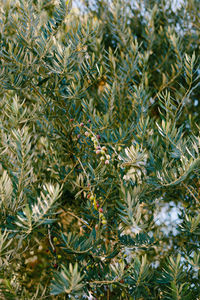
(100, 150)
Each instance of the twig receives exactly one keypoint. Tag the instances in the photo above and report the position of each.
(64, 180)
(78, 218)
(49, 234)
(88, 182)
(38, 93)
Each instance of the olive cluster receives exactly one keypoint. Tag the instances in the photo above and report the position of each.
(96, 205)
(98, 149)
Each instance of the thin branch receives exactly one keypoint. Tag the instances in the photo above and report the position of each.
(105, 282)
(49, 234)
(65, 179)
(88, 181)
(39, 94)
(78, 218)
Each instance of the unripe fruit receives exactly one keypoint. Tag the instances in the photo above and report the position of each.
(59, 256)
(91, 197)
(108, 156)
(95, 204)
(93, 138)
(103, 152)
(87, 133)
(102, 158)
(104, 148)
(100, 215)
(104, 222)
(119, 148)
(98, 151)
(55, 239)
(40, 248)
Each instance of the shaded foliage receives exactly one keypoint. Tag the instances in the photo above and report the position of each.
(99, 143)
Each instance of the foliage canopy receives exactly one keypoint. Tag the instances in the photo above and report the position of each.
(100, 149)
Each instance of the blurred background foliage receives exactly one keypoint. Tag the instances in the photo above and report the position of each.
(99, 143)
